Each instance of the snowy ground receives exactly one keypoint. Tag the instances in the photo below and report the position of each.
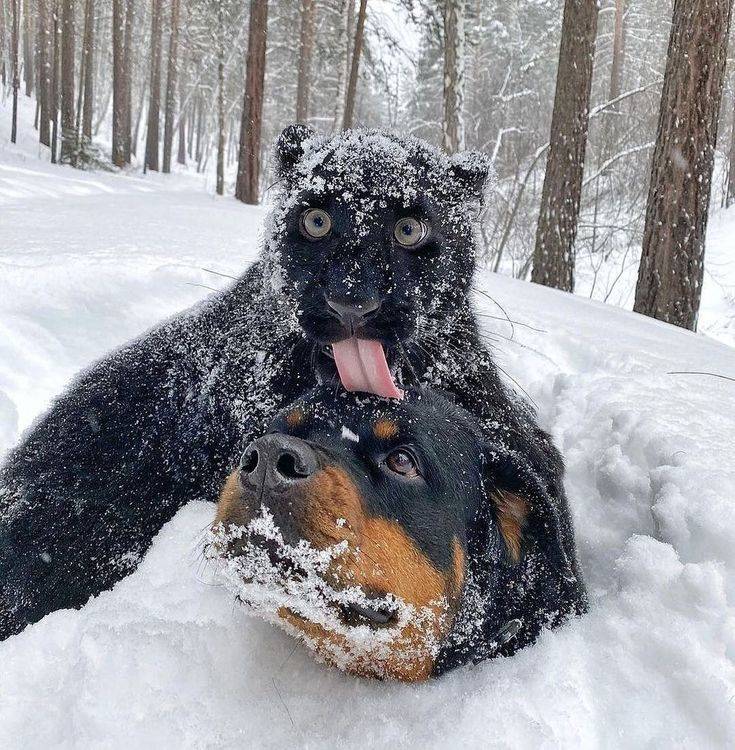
(166, 660)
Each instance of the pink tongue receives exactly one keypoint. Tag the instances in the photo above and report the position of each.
(362, 367)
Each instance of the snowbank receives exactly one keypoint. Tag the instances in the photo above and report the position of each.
(166, 659)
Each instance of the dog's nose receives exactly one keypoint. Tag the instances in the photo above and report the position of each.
(352, 315)
(275, 461)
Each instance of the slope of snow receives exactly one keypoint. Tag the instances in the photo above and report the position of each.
(165, 659)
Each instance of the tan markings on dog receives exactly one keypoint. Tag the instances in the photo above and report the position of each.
(295, 417)
(459, 566)
(385, 429)
(230, 508)
(512, 515)
(381, 557)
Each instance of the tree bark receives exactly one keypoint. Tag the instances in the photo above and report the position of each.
(672, 264)
(248, 167)
(68, 130)
(27, 48)
(618, 53)
(88, 63)
(154, 100)
(183, 113)
(220, 104)
(131, 146)
(44, 73)
(553, 259)
(306, 47)
(120, 137)
(55, 80)
(173, 68)
(3, 43)
(454, 36)
(731, 180)
(16, 73)
(347, 20)
(349, 114)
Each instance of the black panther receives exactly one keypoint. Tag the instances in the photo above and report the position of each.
(365, 273)
(438, 545)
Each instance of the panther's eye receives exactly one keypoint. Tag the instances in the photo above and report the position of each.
(402, 461)
(409, 231)
(315, 223)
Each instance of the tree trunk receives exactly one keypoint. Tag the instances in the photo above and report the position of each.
(248, 167)
(306, 47)
(355, 67)
(131, 146)
(220, 104)
(173, 50)
(672, 264)
(3, 44)
(731, 181)
(553, 259)
(154, 100)
(453, 121)
(68, 130)
(120, 137)
(347, 20)
(618, 53)
(16, 72)
(27, 48)
(88, 58)
(183, 115)
(55, 81)
(44, 73)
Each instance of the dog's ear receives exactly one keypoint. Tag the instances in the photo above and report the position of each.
(475, 173)
(523, 509)
(289, 148)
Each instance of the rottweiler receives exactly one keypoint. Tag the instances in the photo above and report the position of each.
(394, 537)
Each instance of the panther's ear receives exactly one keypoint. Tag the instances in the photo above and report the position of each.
(474, 172)
(289, 147)
(523, 509)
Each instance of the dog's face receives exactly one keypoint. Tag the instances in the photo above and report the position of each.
(351, 521)
(388, 488)
(373, 233)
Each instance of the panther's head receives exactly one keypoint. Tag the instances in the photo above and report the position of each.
(374, 238)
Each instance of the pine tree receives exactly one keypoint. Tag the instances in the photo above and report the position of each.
(154, 100)
(248, 168)
(349, 112)
(170, 115)
(672, 265)
(553, 260)
(306, 46)
(454, 34)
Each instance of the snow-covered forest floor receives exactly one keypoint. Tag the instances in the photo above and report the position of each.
(165, 659)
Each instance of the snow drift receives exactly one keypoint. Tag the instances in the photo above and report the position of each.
(167, 659)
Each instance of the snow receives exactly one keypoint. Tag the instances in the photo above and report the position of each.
(167, 659)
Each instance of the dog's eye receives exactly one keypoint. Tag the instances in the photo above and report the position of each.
(315, 223)
(409, 231)
(403, 462)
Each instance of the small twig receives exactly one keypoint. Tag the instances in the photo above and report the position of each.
(709, 374)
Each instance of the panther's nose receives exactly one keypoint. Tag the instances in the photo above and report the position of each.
(275, 461)
(353, 315)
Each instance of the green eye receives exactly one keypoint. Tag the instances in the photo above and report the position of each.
(315, 223)
(409, 231)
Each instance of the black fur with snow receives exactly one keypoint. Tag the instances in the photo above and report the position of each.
(162, 420)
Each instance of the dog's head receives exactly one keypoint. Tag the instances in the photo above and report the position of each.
(373, 234)
(358, 523)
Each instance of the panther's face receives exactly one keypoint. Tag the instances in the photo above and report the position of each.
(375, 239)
